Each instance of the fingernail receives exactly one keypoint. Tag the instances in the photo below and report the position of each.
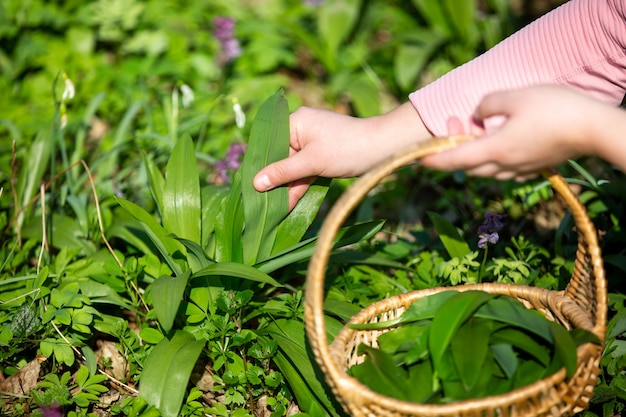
(263, 183)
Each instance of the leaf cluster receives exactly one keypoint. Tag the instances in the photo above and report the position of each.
(454, 346)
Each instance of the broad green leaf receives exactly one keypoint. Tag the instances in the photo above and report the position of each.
(167, 294)
(509, 310)
(295, 361)
(470, 348)
(196, 257)
(166, 245)
(364, 95)
(181, 192)
(304, 250)
(167, 370)
(269, 142)
(237, 270)
(519, 338)
(295, 225)
(380, 373)
(421, 309)
(229, 225)
(565, 347)
(450, 237)
(449, 317)
(506, 358)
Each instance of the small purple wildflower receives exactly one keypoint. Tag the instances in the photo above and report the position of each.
(314, 3)
(230, 162)
(53, 410)
(224, 31)
(488, 231)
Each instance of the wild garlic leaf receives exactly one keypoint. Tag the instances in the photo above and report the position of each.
(520, 339)
(379, 372)
(450, 316)
(421, 309)
(470, 348)
(509, 310)
(565, 347)
(505, 357)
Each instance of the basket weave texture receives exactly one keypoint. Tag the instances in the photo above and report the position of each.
(583, 304)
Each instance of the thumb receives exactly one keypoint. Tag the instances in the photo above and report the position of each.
(282, 172)
(495, 104)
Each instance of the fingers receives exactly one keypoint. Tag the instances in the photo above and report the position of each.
(495, 104)
(283, 172)
(297, 189)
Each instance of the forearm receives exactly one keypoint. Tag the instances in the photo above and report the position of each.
(580, 45)
(607, 135)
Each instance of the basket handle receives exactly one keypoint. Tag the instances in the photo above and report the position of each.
(587, 286)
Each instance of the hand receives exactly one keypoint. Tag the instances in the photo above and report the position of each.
(324, 143)
(543, 127)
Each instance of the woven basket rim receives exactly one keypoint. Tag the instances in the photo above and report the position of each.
(587, 288)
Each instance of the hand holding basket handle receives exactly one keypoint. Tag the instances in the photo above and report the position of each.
(582, 304)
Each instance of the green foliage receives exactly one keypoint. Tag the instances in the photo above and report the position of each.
(120, 111)
(463, 345)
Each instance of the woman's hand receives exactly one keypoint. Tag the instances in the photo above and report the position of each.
(328, 144)
(543, 126)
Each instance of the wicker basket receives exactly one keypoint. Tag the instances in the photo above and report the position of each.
(581, 305)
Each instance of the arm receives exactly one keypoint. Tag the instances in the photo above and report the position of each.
(581, 44)
(544, 126)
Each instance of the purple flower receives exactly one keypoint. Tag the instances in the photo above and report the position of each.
(224, 31)
(314, 3)
(488, 231)
(230, 162)
(53, 410)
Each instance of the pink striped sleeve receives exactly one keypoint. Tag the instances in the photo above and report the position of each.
(581, 44)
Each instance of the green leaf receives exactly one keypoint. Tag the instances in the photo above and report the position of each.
(422, 309)
(462, 17)
(295, 362)
(509, 310)
(196, 257)
(295, 225)
(565, 347)
(506, 358)
(304, 250)
(166, 245)
(237, 270)
(449, 317)
(181, 192)
(167, 370)
(167, 294)
(269, 142)
(519, 338)
(380, 373)
(90, 360)
(212, 199)
(157, 182)
(335, 21)
(229, 225)
(450, 236)
(470, 348)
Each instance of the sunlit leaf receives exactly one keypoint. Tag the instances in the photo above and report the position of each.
(166, 372)
(269, 142)
(449, 317)
(181, 192)
(167, 294)
(452, 240)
